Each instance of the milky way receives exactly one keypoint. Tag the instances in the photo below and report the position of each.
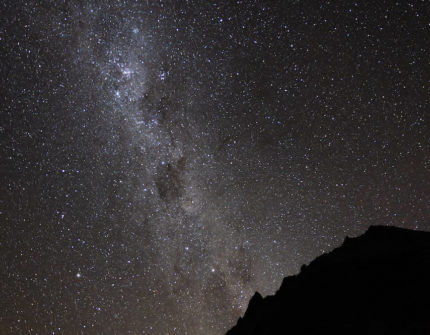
(161, 161)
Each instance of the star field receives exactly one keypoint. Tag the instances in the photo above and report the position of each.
(161, 161)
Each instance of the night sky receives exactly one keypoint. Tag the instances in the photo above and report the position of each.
(163, 160)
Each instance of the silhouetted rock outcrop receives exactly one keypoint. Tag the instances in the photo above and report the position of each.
(377, 283)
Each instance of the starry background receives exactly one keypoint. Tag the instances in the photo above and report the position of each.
(161, 161)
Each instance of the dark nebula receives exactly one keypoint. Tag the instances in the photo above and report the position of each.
(163, 160)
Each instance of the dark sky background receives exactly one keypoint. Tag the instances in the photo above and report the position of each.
(163, 160)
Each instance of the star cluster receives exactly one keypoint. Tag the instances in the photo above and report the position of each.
(161, 161)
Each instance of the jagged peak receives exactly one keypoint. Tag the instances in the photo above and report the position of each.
(378, 279)
(253, 303)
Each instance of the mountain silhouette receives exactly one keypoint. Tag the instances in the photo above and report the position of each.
(377, 283)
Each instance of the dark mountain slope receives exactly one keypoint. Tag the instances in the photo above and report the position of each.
(377, 283)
